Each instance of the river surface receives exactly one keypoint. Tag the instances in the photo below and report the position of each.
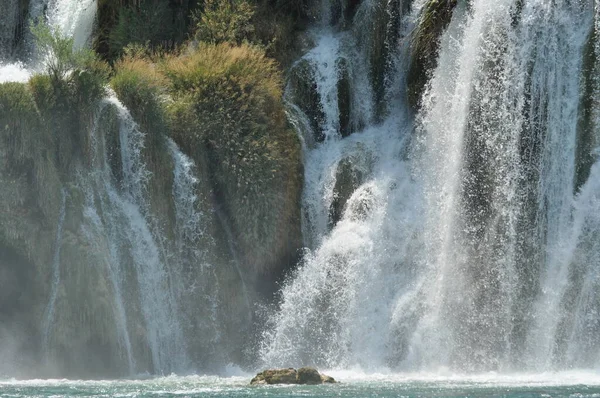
(353, 384)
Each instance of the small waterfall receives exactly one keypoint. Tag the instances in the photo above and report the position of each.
(159, 307)
(101, 231)
(50, 308)
(73, 19)
(117, 224)
(191, 253)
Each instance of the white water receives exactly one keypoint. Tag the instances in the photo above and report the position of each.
(466, 247)
(159, 307)
(73, 19)
(117, 226)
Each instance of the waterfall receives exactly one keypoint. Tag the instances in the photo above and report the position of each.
(50, 309)
(193, 243)
(128, 210)
(73, 19)
(118, 226)
(463, 242)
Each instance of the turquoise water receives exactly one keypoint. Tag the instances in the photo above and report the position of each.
(352, 385)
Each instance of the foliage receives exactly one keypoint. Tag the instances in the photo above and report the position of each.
(225, 21)
(149, 23)
(75, 74)
(298, 9)
(138, 83)
(58, 51)
(276, 30)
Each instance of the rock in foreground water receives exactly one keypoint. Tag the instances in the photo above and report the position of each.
(291, 376)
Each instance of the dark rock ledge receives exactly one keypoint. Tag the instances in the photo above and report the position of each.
(291, 376)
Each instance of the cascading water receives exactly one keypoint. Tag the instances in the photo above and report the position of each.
(465, 243)
(191, 253)
(73, 19)
(49, 315)
(129, 236)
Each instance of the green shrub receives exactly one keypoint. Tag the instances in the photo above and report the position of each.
(159, 24)
(21, 131)
(225, 21)
(58, 52)
(151, 23)
(139, 85)
(277, 29)
(75, 74)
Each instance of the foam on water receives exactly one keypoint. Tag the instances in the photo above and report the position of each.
(16, 72)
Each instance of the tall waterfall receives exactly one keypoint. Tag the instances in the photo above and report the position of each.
(467, 241)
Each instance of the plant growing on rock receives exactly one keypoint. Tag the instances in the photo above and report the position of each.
(58, 52)
(225, 21)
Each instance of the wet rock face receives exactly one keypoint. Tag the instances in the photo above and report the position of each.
(303, 89)
(309, 376)
(352, 171)
(435, 18)
(305, 375)
(344, 98)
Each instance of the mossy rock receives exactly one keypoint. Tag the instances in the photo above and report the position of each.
(303, 92)
(435, 17)
(308, 375)
(377, 32)
(13, 26)
(587, 125)
(350, 9)
(276, 376)
(304, 376)
(352, 171)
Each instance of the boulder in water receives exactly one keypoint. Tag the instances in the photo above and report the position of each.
(304, 375)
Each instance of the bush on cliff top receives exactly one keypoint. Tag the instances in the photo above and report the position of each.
(139, 85)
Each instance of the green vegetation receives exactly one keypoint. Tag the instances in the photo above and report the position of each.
(139, 85)
(19, 118)
(159, 24)
(58, 52)
(225, 21)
